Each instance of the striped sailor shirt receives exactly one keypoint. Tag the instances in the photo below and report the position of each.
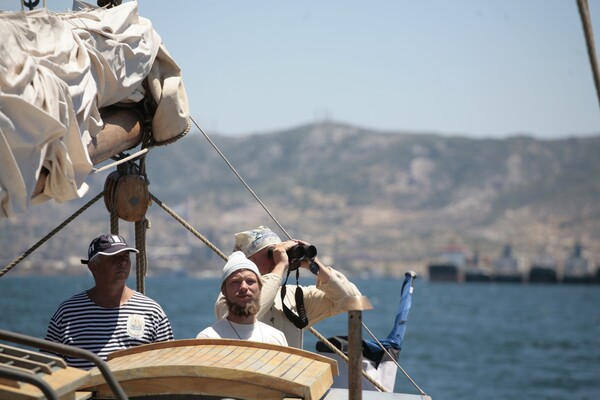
(79, 322)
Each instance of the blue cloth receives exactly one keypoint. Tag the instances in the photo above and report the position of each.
(396, 336)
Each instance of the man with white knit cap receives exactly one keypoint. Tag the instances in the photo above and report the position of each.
(240, 287)
(320, 301)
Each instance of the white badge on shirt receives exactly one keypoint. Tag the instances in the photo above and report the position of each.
(135, 326)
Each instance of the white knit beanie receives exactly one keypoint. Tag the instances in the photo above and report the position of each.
(237, 261)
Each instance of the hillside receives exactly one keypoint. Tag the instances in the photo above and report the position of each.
(378, 202)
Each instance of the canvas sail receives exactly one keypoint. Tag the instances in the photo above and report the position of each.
(58, 72)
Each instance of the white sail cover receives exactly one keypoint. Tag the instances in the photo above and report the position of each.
(57, 70)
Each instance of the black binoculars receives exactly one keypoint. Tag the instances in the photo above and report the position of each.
(298, 253)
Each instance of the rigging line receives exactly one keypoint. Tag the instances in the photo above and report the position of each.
(394, 360)
(240, 178)
(586, 21)
(345, 358)
(52, 233)
(188, 227)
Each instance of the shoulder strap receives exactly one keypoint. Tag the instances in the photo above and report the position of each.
(300, 320)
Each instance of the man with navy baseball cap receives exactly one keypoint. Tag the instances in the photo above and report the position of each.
(110, 316)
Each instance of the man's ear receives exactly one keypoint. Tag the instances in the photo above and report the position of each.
(93, 265)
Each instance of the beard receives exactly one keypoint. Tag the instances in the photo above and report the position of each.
(244, 311)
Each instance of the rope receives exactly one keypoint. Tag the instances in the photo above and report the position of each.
(114, 223)
(394, 360)
(174, 138)
(240, 178)
(584, 12)
(345, 358)
(48, 236)
(188, 227)
(141, 258)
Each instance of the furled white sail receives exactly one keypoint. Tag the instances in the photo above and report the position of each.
(57, 71)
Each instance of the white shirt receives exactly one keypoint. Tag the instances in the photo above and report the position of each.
(256, 332)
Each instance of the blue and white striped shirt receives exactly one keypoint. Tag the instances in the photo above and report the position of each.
(79, 322)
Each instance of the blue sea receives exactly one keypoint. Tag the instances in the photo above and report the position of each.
(463, 341)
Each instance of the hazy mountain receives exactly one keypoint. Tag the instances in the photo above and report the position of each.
(373, 201)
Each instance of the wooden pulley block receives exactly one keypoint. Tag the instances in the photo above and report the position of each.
(131, 198)
(109, 190)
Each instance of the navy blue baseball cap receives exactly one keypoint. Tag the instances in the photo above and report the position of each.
(107, 245)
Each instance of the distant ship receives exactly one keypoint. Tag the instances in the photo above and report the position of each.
(506, 267)
(477, 271)
(448, 265)
(577, 269)
(543, 269)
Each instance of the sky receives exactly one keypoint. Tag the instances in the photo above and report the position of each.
(481, 69)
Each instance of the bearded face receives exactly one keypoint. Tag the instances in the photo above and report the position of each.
(244, 310)
(242, 293)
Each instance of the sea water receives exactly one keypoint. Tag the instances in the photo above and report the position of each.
(463, 341)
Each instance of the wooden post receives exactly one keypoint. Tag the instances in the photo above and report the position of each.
(355, 305)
